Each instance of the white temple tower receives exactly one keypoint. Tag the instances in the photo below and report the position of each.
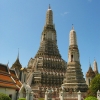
(74, 80)
(95, 66)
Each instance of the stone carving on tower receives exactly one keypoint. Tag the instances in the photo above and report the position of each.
(47, 68)
(74, 80)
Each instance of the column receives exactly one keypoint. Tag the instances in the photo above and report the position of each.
(27, 95)
(46, 95)
(98, 95)
(17, 95)
(31, 96)
(61, 95)
(79, 95)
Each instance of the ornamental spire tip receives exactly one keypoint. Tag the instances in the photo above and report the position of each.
(18, 54)
(72, 27)
(49, 6)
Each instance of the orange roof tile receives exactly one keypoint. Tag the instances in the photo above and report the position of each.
(5, 78)
(18, 83)
(8, 85)
(13, 74)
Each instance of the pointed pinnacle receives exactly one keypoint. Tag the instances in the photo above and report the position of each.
(49, 6)
(72, 27)
(18, 54)
(8, 63)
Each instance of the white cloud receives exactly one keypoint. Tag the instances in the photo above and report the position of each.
(65, 13)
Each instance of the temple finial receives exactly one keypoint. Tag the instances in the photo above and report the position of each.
(49, 6)
(90, 63)
(18, 54)
(89, 60)
(8, 63)
(49, 16)
(72, 27)
(94, 58)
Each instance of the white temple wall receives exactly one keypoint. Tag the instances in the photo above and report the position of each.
(88, 80)
(8, 92)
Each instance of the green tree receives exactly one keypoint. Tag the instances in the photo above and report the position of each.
(21, 99)
(4, 97)
(94, 86)
(91, 98)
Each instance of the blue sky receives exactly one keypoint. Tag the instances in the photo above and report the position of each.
(22, 22)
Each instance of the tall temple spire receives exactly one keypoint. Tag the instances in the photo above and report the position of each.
(49, 37)
(95, 67)
(17, 65)
(73, 54)
(49, 16)
(89, 75)
(72, 37)
(74, 80)
(48, 61)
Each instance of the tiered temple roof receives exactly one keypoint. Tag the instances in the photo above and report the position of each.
(6, 79)
(16, 64)
(17, 67)
(15, 77)
(90, 72)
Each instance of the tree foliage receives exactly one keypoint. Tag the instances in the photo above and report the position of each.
(22, 99)
(4, 97)
(94, 86)
(91, 98)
